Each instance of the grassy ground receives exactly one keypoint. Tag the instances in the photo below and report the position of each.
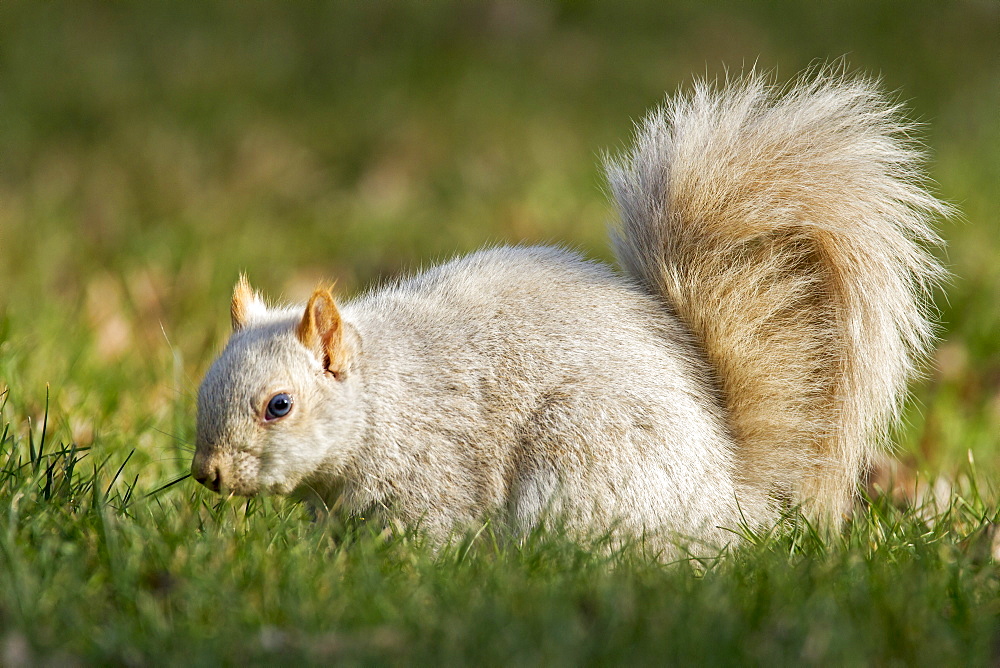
(149, 153)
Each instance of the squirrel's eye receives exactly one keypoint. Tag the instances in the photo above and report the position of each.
(278, 406)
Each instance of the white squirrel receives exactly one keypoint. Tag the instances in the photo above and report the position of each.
(752, 354)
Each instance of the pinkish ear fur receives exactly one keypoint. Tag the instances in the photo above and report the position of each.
(322, 331)
(247, 304)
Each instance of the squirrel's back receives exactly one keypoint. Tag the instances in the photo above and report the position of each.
(566, 386)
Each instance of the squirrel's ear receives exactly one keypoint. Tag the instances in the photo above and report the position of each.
(247, 304)
(322, 331)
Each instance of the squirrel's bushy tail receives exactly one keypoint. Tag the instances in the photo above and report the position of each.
(788, 228)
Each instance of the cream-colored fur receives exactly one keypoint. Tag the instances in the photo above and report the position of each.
(754, 353)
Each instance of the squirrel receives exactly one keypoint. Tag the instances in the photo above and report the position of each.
(750, 356)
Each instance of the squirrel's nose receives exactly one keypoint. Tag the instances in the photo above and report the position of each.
(206, 472)
(210, 477)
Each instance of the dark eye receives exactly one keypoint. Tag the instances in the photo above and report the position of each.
(278, 406)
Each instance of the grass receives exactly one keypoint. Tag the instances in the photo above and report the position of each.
(148, 153)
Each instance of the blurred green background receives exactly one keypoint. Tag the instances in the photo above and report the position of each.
(151, 151)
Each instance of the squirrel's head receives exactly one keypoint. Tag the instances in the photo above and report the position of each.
(279, 404)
